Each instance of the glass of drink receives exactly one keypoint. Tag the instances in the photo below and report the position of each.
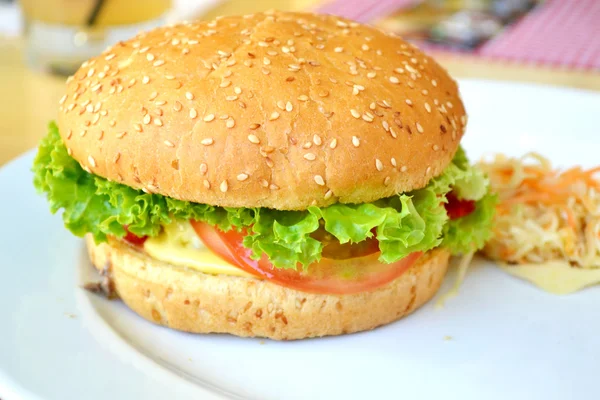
(61, 34)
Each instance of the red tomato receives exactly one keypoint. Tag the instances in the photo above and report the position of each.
(458, 208)
(329, 276)
(134, 239)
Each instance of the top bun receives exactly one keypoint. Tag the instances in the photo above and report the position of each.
(279, 110)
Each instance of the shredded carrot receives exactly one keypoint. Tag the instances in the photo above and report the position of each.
(556, 206)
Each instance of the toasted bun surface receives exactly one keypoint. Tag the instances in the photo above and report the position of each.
(192, 301)
(279, 110)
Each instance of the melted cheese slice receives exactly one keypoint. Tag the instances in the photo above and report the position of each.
(178, 244)
(557, 277)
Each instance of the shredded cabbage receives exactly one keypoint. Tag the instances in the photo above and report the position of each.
(544, 214)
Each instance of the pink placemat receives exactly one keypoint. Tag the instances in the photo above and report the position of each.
(559, 33)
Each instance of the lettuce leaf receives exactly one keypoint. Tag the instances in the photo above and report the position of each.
(470, 233)
(415, 221)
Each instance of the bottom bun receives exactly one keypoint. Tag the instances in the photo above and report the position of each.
(188, 300)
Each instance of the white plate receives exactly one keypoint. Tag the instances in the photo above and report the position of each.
(508, 339)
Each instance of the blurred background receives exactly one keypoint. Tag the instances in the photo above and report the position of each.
(43, 41)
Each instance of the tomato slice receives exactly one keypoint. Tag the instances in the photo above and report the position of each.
(134, 239)
(332, 248)
(457, 208)
(346, 276)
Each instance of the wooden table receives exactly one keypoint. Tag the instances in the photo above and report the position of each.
(29, 100)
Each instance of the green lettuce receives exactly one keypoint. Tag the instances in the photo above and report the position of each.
(402, 224)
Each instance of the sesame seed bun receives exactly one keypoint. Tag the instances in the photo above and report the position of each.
(188, 300)
(279, 110)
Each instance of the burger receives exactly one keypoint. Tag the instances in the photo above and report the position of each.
(281, 175)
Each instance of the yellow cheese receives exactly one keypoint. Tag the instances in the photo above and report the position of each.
(178, 244)
(557, 277)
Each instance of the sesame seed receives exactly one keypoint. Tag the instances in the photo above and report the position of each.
(393, 79)
(254, 126)
(158, 63)
(168, 143)
(208, 118)
(303, 97)
(237, 90)
(137, 127)
(428, 170)
(338, 49)
(206, 183)
(230, 123)
(449, 104)
(231, 98)
(333, 143)
(365, 47)
(371, 75)
(223, 186)
(385, 125)
(419, 127)
(193, 113)
(158, 122)
(274, 116)
(317, 140)
(153, 95)
(319, 180)
(109, 57)
(310, 156)
(387, 180)
(150, 57)
(160, 103)
(404, 168)
(266, 61)
(224, 84)
(355, 141)
(288, 107)
(253, 139)
(242, 177)
(203, 168)
(409, 102)
(393, 161)
(368, 117)
(393, 133)
(69, 151)
(273, 186)
(145, 80)
(328, 195)
(189, 95)
(425, 92)
(378, 164)
(207, 141)
(436, 147)
(121, 135)
(355, 113)
(264, 183)
(265, 71)
(428, 107)
(92, 161)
